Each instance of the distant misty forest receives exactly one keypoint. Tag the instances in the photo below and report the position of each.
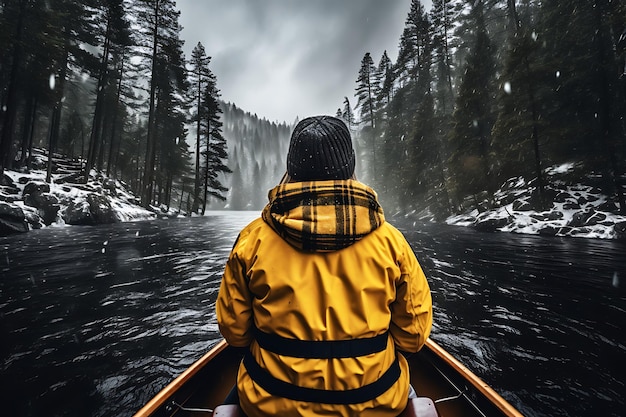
(481, 91)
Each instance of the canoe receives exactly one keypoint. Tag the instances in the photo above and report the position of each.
(435, 374)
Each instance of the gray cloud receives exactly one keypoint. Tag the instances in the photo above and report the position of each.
(283, 59)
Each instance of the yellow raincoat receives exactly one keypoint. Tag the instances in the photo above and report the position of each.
(322, 271)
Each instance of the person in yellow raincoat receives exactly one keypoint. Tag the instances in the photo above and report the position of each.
(322, 292)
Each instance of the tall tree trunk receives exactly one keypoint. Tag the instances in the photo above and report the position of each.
(180, 201)
(196, 190)
(114, 121)
(6, 141)
(373, 125)
(29, 160)
(208, 164)
(96, 124)
(146, 196)
(55, 122)
(27, 132)
(446, 25)
(609, 131)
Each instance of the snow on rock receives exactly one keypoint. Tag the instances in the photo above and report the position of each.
(28, 202)
(576, 210)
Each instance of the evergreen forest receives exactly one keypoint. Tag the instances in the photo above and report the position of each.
(107, 82)
(487, 90)
(481, 91)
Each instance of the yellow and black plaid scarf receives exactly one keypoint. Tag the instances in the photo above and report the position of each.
(323, 216)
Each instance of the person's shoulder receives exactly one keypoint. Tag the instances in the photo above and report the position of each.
(391, 234)
(253, 226)
(245, 234)
(390, 229)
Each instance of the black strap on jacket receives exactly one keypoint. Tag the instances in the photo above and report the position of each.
(321, 349)
(284, 389)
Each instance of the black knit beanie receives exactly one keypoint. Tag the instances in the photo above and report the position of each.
(320, 149)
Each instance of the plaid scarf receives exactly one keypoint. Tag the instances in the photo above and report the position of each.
(323, 216)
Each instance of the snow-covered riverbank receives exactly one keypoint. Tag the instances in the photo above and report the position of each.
(577, 209)
(28, 202)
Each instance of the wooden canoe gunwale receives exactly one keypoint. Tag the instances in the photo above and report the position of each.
(163, 396)
(489, 393)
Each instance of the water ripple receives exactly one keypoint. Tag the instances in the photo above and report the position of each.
(96, 332)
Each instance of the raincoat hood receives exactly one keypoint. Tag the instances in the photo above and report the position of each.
(323, 216)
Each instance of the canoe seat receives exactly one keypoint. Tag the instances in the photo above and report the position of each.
(420, 407)
(228, 410)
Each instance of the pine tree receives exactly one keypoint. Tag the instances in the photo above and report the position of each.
(114, 38)
(42, 44)
(384, 79)
(158, 22)
(611, 102)
(346, 114)
(366, 102)
(199, 78)
(170, 121)
(365, 91)
(216, 152)
(412, 42)
(72, 29)
(13, 21)
(442, 17)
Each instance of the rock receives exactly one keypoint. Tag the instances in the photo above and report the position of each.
(595, 218)
(34, 187)
(91, 210)
(6, 181)
(562, 197)
(33, 219)
(46, 203)
(570, 205)
(620, 230)
(588, 217)
(608, 206)
(12, 220)
(555, 215)
(109, 185)
(578, 219)
(490, 224)
(549, 231)
(37, 195)
(78, 213)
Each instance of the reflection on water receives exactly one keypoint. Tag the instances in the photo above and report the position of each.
(94, 321)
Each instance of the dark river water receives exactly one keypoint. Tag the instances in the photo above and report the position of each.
(95, 320)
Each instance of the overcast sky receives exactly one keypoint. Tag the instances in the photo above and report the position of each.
(283, 59)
